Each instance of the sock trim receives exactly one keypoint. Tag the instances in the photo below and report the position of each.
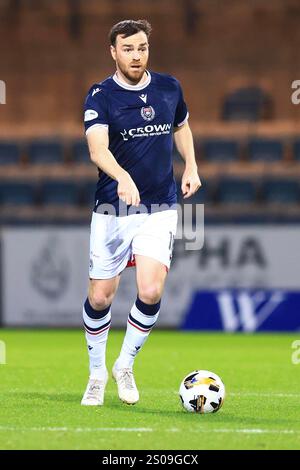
(97, 331)
(147, 309)
(135, 322)
(144, 330)
(95, 314)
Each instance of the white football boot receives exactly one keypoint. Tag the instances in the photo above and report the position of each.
(94, 394)
(127, 390)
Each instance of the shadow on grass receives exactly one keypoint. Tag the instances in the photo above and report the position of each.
(222, 418)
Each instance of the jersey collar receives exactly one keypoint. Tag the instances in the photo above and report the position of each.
(132, 87)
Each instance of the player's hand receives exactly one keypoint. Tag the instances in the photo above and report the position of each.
(127, 190)
(190, 182)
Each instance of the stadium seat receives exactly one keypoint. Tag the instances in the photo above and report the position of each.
(9, 153)
(88, 193)
(267, 150)
(283, 191)
(80, 152)
(220, 150)
(16, 192)
(236, 191)
(60, 192)
(247, 104)
(45, 152)
(296, 150)
(202, 196)
(197, 146)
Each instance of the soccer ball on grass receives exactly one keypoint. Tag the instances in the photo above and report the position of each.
(202, 391)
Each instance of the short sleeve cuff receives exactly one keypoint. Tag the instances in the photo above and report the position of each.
(184, 121)
(94, 127)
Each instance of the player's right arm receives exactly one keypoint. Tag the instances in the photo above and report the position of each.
(100, 154)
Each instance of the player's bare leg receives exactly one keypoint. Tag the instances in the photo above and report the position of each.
(150, 276)
(96, 319)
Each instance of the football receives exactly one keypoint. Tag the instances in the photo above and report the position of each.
(202, 391)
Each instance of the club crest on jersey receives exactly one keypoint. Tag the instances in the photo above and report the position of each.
(147, 113)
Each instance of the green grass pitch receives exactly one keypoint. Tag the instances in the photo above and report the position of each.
(46, 373)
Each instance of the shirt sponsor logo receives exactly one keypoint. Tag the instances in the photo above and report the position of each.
(90, 114)
(148, 131)
(147, 113)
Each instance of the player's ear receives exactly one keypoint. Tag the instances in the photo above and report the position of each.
(113, 52)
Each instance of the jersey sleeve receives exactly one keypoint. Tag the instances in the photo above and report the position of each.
(181, 113)
(95, 109)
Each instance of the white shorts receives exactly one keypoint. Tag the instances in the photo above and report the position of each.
(115, 240)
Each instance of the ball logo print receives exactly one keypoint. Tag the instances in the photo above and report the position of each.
(202, 392)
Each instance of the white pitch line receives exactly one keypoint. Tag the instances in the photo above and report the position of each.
(240, 431)
(65, 429)
(269, 395)
(138, 430)
(251, 431)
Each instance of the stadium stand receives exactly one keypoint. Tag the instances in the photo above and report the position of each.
(60, 193)
(79, 152)
(266, 150)
(88, 193)
(45, 152)
(9, 153)
(246, 131)
(220, 150)
(236, 191)
(247, 104)
(17, 193)
(283, 191)
(296, 150)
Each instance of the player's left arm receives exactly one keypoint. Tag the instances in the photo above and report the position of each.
(184, 142)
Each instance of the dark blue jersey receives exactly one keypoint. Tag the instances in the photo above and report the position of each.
(140, 121)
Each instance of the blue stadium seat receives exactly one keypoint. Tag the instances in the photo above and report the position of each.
(220, 150)
(236, 191)
(198, 146)
(247, 104)
(18, 193)
(9, 153)
(60, 193)
(45, 152)
(80, 152)
(296, 150)
(200, 197)
(88, 192)
(283, 191)
(267, 150)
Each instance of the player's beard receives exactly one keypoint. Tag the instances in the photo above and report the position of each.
(132, 75)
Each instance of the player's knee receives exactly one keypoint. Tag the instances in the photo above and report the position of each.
(150, 294)
(99, 300)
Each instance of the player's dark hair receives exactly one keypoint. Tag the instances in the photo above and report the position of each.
(128, 28)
